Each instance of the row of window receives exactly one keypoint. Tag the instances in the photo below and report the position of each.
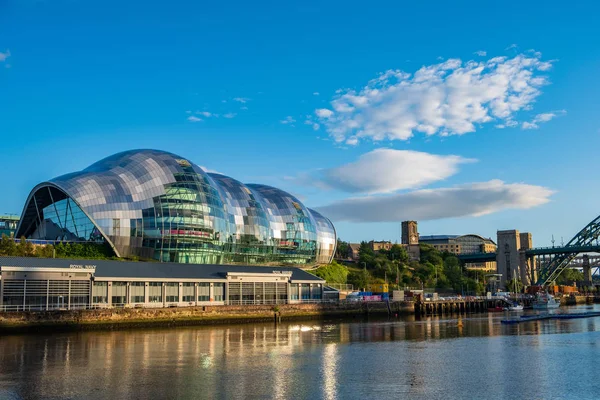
(137, 292)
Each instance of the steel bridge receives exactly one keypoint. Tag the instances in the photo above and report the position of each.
(586, 241)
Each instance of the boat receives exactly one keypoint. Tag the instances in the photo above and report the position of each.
(514, 307)
(495, 309)
(545, 301)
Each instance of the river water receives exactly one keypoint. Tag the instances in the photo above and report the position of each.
(474, 357)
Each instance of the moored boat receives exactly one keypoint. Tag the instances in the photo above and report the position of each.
(545, 301)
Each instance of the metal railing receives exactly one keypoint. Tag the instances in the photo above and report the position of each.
(342, 287)
(50, 307)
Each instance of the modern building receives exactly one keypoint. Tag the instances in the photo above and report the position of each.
(463, 244)
(157, 205)
(8, 224)
(48, 284)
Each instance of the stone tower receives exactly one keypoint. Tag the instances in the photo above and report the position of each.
(410, 233)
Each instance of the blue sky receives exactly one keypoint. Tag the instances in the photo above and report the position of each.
(80, 80)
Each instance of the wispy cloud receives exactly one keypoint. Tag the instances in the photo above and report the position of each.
(541, 118)
(192, 118)
(288, 120)
(481, 53)
(449, 98)
(316, 93)
(206, 114)
(229, 115)
(474, 199)
(243, 108)
(242, 100)
(4, 56)
(386, 171)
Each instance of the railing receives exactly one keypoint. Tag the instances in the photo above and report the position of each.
(342, 287)
(50, 307)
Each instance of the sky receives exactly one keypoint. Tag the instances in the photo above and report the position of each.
(467, 117)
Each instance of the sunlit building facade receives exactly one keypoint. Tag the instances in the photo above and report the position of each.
(157, 205)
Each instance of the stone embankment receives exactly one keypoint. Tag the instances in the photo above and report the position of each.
(126, 318)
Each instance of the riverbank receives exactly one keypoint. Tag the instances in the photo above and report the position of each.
(129, 318)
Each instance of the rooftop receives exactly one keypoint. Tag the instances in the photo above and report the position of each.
(153, 270)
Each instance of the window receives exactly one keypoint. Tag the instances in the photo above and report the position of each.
(137, 292)
(188, 292)
(155, 292)
(119, 293)
(172, 292)
(204, 291)
(218, 291)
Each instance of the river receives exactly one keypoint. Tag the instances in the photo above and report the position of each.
(474, 357)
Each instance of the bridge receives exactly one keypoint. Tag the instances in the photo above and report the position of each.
(586, 241)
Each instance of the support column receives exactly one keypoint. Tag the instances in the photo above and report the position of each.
(69, 296)
(109, 294)
(587, 271)
(146, 294)
(47, 294)
(211, 292)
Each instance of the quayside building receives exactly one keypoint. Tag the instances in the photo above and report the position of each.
(39, 284)
(157, 205)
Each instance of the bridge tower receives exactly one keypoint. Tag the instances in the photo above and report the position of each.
(587, 271)
(507, 256)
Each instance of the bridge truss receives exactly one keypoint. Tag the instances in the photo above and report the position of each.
(583, 241)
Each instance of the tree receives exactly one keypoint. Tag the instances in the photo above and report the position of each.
(360, 279)
(342, 250)
(514, 284)
(332, 273)
(8, 247)
(569, 276)
(25, 248)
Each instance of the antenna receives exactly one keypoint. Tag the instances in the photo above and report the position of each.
(552, 240)
(562, 242)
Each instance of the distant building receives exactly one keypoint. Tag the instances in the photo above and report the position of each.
(463, 244)
(8, 224)
(353, 252)
(383, 245)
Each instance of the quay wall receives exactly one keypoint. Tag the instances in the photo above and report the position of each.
(125, 318)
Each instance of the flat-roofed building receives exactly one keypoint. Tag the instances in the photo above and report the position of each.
(8, 225)
(464, 244)
(47, 284)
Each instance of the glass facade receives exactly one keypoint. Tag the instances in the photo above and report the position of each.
(157, 205)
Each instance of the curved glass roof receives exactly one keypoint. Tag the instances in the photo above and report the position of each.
(155, 204)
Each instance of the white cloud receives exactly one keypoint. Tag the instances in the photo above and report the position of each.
(241, 99)
(481, 53)
(229, 115)
(243, 108)
(475, 199)
(288, 120)
(316, 126)
(188, 112)
(386, 171)
(323, 113)
(205, 113)
(4, 56)
(512, 46)
(449, 98)
(191, 118)
(210, 171)
(540, 118)
(315, 93)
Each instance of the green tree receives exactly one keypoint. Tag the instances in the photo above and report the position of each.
(8, 247)
(569, 276)
(514, 285)
(332, 273)
(342, 250)
(46, 251)
(25, 248)
(360, 279)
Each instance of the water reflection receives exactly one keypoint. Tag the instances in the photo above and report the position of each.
(435, 357)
